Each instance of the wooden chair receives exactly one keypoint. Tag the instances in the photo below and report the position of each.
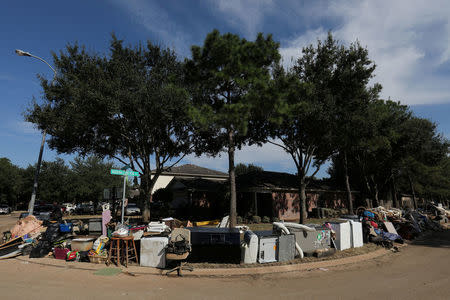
(178, 250)
(128, 249)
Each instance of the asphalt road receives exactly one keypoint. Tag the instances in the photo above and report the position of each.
(419, 271)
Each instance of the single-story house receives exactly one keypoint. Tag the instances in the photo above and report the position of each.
(192, 186)
(275, 194)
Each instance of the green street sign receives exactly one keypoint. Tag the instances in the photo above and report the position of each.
(124, 173)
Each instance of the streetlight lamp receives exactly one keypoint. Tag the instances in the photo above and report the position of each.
(38, 167)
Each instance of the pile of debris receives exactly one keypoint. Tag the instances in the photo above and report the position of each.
(151, 244)
(385, 226)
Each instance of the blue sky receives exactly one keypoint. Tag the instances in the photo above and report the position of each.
(408, 40)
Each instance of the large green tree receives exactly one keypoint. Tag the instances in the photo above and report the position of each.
(89, 177)
(425, 157)
(352, 96)
(229, 78)
(10, 182)
(129, 105)
(54, 181)
(302, 122)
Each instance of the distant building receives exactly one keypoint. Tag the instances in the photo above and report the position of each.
(275, 194)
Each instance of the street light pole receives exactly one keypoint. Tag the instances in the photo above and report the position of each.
(41, 150)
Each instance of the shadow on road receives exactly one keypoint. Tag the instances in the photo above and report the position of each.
(438, 239)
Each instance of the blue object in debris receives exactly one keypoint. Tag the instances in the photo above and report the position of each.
(65, 227)
(388, 236)
(369, 214)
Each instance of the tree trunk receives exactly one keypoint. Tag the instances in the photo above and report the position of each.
(147, 188)
(394, 193)
(232, 178)
(412, 191)
(377, 201)
(302, 204)
(347, 185)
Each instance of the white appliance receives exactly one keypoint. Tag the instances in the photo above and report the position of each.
(356, 234)
(249, 248)
(153, 252)
(267, 249)
(343, 234)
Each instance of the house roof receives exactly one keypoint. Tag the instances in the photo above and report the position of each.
(270, 181)
(194, 171)
(199, 184)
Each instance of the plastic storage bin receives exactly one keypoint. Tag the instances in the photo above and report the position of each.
(65, 227)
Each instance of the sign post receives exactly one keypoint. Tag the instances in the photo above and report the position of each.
(124, 173)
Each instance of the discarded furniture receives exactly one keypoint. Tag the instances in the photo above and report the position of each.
(153, 252)
(178, 250)
(95, 226)
(343, 234)
(122, 248)
(215, 245)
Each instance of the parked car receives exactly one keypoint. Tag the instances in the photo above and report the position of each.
(132, 209)
(84, 209)
(69, 208)
(5, 209)
(43, 211)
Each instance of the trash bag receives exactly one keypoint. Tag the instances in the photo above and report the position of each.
(83, 256)
(52, 233)
(42, 249)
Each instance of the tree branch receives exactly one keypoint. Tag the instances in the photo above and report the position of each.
(279, 145)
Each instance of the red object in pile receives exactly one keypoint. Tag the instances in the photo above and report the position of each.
(60, 253)
(374, 225)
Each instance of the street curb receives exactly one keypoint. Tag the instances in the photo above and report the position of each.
(214, 272)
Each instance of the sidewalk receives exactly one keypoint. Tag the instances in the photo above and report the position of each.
(216, 272)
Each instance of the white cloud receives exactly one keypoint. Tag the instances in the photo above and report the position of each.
(264, 156)
(245, 15)
(156, 20)
(269, 156)
(408, 40)
(293, 48)
(25, 127)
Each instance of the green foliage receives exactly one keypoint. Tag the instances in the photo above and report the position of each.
(266, 219)
(129, 105)
(239, 220)
(54, 182)
(242, 169)
(256, 219)
(230, 81)
(10, 182)
(228, 77)
(89, 177)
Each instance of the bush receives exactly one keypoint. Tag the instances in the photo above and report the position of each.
(275, 219)
(266, 219)
(239, 219)
(256, 219)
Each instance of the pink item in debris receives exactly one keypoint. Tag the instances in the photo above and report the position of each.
(27, 225)
(106, 217)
